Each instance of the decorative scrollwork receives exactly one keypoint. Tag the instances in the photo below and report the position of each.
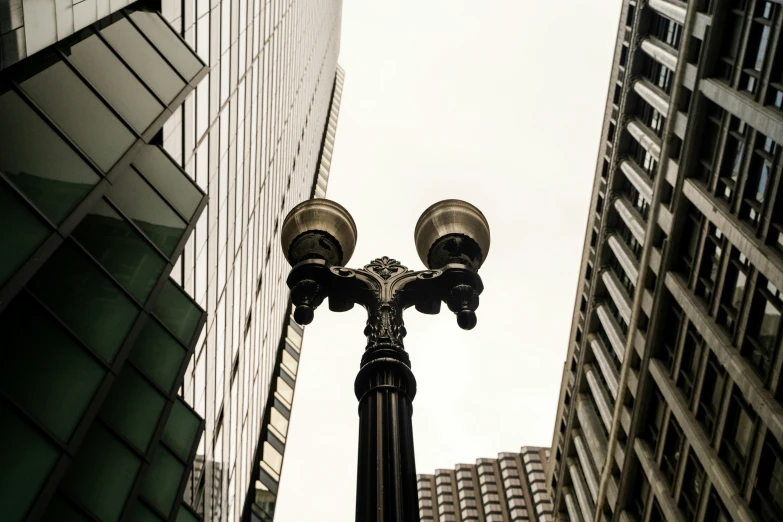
(386, 267)
(385, 288)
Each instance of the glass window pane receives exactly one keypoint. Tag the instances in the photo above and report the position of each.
(55, 181)
(44, 370)
(185, 516)
(21, 232)
(133, 408)
(27, 460)
(142, 513)
(162, 481)
(158, 354)
(178, 312)
(273, 457)
(172, 182)
(120, 249)
(177, 52)
(115, 82)
(83, 117)
(279, 422)
(102, 474)
(143, 59)
(60, 510)
(73, 287)
(150, 213)
(181, 430)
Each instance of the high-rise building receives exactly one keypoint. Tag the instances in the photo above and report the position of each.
(510, 488)
(670, 406)
(148, 152)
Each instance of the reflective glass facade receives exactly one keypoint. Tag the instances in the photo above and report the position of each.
(511, 488)
(149, 152)
(254, 136)
(95, 336)
(671, 401)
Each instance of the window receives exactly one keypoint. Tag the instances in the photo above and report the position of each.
(767, 498)
(710, 264)
(763, 327)
(62, 95)
(710, 135)
(21, 231)
(716, 511)
(711, 394)
(658, 74)
(56, 181)
(666, 30)
(775, 90)
(738, 435)
(115, 82)
(731, 40)
(690, 240)
(641, 491)
(672, 450)
(758, 44)
(692, 351)
(652, 118)
(759, 178)
(656, 411)
(732, 160)
(733, 290)
(671, 332)
(692, 485)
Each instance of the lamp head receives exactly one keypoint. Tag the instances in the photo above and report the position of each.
(318, 229)
(452, 231)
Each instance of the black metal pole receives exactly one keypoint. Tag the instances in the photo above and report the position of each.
(385, 386)
(386, 474)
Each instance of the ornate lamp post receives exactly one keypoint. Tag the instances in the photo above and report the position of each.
(452, 239)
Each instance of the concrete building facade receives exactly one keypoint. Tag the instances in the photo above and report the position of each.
(670, 404)
(510, 488)
(150, 151)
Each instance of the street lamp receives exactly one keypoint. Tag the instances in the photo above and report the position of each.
(452, 239)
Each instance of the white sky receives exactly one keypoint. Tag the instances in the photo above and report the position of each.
(499, 104)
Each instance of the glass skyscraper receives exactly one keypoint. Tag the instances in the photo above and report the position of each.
(671, 404)
(148, 153)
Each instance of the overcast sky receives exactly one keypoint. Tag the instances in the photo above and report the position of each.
(499, 104)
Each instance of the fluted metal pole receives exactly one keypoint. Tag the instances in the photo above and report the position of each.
(386, 478)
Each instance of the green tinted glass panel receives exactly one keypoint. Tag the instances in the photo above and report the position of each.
(102, 474)
(142, 513)
(172, 47)
(86, 300)
(181, 430)
(178, 312)
(185, 516)
(162, 481)
(158, 355)
(144, 59)
(60, 510)
(150, 213)
(81, 115)
(55, 181)
(133, 408)
(172, 182)
(120, 249)
(44, 370)
(21, 232)
(115, 82)
(27, 460)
